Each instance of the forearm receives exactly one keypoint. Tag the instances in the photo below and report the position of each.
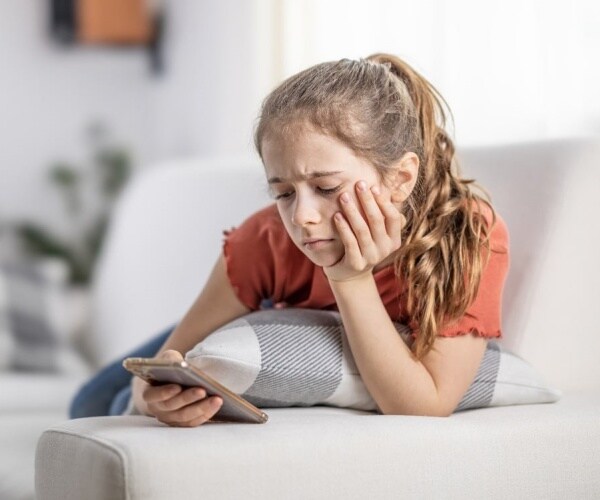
(204, 317)
(398, 382)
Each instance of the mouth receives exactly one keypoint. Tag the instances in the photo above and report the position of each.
(316, 243)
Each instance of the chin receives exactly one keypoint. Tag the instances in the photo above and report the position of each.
(324, 260)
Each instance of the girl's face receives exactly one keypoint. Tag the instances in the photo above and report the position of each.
(306, 175)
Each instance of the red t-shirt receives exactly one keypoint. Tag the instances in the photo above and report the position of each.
(264, 263)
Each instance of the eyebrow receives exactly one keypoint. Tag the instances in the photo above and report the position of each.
(311, 175)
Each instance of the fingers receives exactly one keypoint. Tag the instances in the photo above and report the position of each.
(360, 226)
(202, 412)
(160, 393)
(394, 219)
(352, 250)
(376, 234)
(184, 398)
(194, 414)
(171, 355)
(189, 408)
(373, 213)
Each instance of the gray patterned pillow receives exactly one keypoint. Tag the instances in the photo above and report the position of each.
(301, 357)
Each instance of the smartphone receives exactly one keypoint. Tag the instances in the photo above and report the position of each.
(159, 372)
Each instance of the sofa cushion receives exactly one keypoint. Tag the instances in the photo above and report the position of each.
(301, 357)
(525, 451)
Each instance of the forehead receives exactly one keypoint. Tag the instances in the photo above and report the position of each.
(302, 155)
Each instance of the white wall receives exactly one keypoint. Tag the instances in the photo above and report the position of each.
(48, 94)
(511, 71)
(217, 70)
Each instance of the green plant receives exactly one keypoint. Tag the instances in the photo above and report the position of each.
(111, 167)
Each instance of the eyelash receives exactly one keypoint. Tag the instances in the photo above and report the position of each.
(324, 192)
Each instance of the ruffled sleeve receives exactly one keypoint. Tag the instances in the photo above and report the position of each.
(483, 317)
(248, 251)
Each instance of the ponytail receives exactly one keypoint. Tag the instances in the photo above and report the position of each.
(441, 256)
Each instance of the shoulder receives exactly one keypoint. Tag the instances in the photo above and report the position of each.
(260, 224)
(263, 236)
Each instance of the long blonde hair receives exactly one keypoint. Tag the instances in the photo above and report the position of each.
(382, 108)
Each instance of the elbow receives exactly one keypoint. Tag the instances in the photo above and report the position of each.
(419, 413)
(443, 413)
(428, 411)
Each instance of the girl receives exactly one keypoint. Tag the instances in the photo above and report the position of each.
(371, 218)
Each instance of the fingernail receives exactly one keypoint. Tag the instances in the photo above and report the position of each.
(362, 185)
(375, 190)
(216, 402)
(345, 198)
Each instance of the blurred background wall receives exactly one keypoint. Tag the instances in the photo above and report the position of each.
(511, 71)
(202, 104)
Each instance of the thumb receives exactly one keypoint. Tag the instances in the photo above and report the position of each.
(170, 355)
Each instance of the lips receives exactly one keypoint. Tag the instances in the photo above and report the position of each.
(314, 240)
(316, 243)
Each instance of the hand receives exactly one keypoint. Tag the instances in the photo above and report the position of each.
(366, 242)
(173, 405)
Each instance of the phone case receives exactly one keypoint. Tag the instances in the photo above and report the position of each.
(160, 371)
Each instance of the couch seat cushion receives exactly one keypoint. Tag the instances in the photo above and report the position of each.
(526, 451)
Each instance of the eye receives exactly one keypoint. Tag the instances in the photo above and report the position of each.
(320, 190)
(277, 195)
(282, 195)
(328, 192)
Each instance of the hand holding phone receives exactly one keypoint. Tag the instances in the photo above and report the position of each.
(182, 395)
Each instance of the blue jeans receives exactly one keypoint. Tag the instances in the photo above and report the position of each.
(109, 391)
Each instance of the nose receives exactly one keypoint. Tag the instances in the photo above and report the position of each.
(306, 211)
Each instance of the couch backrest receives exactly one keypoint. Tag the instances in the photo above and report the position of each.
(163, 241)
(166, 236)
(549, 196)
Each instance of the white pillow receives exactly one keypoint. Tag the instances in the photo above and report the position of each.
(301, 357)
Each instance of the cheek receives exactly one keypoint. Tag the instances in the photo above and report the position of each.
(286, 217)
(330, 208)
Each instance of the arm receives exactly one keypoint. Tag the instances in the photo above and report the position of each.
(216, 305)
(399, 383)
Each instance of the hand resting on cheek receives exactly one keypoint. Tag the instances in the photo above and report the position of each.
(367, 240)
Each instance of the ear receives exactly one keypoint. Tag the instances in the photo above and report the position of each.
(403, 177)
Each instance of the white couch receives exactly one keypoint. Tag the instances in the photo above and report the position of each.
(164, 240)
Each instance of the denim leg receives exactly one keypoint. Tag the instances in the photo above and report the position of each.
(96, 396)
(120, 401)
